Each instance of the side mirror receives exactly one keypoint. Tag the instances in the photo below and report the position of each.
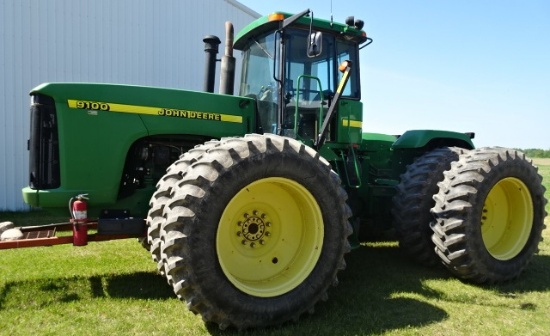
(315, 44)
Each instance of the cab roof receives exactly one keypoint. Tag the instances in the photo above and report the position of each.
(272, 21)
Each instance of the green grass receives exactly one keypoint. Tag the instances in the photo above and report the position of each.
(112, 288)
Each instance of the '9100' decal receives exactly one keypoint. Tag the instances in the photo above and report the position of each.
(89, 105)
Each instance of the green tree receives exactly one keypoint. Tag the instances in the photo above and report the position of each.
(536, 152)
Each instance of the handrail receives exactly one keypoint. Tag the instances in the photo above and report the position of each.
(296, 108)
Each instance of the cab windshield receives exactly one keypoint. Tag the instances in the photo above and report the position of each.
(308, 83)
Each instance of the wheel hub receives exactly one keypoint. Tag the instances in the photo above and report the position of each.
(252, 228)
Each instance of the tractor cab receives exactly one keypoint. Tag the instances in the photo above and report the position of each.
(290, 66)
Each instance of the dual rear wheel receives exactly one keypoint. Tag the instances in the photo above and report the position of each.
(485, 219)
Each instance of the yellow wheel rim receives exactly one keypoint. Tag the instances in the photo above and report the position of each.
(270, 237)
(507, 218)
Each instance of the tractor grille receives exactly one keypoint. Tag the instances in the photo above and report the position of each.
(43, 144)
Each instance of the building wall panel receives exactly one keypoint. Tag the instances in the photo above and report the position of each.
(140, 42)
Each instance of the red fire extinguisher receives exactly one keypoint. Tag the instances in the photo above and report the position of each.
(79, 218)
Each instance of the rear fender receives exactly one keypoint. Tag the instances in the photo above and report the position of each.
(429, 139)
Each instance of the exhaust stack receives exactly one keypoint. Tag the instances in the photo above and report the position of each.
(227, 75)
(211, 44)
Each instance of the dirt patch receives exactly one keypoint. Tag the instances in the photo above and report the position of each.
(541, 161)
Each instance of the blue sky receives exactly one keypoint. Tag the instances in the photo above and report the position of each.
(469, 66)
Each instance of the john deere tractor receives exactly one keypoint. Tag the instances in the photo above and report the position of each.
(249, 202)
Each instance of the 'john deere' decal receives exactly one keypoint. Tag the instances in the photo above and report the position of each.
(150, 110)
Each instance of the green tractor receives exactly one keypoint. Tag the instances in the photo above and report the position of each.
(250, 202)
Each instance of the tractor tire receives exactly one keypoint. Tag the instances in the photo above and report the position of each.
(489, 215)
(161, 196)
(256, 232)
(414, 199)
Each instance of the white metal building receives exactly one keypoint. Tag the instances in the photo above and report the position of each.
(141, 42)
